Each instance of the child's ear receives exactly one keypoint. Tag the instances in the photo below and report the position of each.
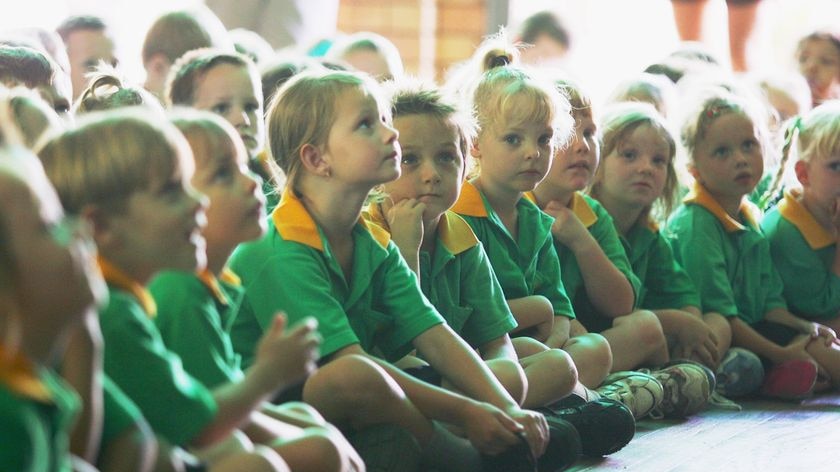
(692, 169)
(475, 152)
(312, 158)
(801, 169)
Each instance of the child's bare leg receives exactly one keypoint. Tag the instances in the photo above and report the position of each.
(353, 390)
(261, 459)
(828, 359)
(722, 330)
(511, 376)
(592, 355)
(534, 315)
(637, 339)
(551, 376)
(134, 449)
(526, 346)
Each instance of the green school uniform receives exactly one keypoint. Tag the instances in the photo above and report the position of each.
(37, 409)
(458, 280)
(195, 313)
(803, 252)
(176, 405)
(120, 413)
(600, 225)
(665, 284)
(525, 267)
(292, 269)
(728, 260)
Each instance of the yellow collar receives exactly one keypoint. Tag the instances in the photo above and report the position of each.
(121, 280)
(470, 202)
(579, 206)
(212, 283)
(700, 196)
(454, 233)
(18, 374)
(794, 211)
(294, 223)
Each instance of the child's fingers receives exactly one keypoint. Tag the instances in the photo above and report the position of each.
(279, 324)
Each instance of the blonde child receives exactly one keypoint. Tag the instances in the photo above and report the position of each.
(715, 236)
(521, 120)
(42, 299)
(369, 53)
(196, 310)
(21, 66)
(647, 88)
(107, 90)
(818, 55)
(330, 133)
(455, 274)
(229, 85)
(803, 228)
(598, 275)
(129, 177)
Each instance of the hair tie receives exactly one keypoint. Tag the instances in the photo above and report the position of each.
(795, 125)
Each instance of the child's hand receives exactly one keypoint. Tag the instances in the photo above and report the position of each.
(489, 429)
(822, 331)
(567, 228)
(796, 351)
(536, 428)
(695, 339)
(289, 355)
(405, 219)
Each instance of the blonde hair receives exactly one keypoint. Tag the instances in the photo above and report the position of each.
(174, 33)
(303, 112)
(651, 88)
(194, 65)
(367, 41)
(24, 105)
(618, 123)
(207, 134)
(112, 155)
(106, 90)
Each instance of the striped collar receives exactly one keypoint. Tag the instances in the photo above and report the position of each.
(212, 283)
(294, 223)
(19, 375)
(116, 277)
(700, 196)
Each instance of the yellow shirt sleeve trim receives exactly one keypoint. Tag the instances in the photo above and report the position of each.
(794, 211)
(700, 196)
(583, 211)
(18, 374)
(455, 234)
(120, 279)
(470, 202)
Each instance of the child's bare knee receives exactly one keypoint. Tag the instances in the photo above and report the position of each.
(647, 328)
(351, 379)
(511, 376)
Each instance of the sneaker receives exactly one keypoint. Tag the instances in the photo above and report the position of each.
(740, 373)
(687, 388)
(790, 380)
(605, 426)
(386, 448)
(518, 458)
(639, 392)
(564, 445)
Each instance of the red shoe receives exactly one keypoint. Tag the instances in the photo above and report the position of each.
(790, 380)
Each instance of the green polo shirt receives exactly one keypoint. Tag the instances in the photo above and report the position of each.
(525, 267)
(120, 413)
(458, 280)
(37, 409)
(728, 260)
(176, 405)
(292, 269)
(803, 252)
(194, 316)
(600, 225)
(665, 284)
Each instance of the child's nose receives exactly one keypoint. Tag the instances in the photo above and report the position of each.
(430, 173)
(391, 133)
(581, 144)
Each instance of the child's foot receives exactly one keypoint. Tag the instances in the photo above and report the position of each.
(790, 380)
(605, 426)
(740, 373)
(687, 386)
(639, 392)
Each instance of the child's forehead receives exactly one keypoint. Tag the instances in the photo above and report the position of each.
(433, 128)
(822, 44)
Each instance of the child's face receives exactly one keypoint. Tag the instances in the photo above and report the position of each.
(432, 163)
(575, 164)
(229, 91)
(635, 172)
(728, 161)
(57, 275)
(237, 205)
(85, 48)
(820, 179)
(514, 157)
(162, 225)
(371, 62)
(819, 62)
(362, 148)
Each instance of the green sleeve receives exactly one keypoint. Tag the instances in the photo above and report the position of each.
(698, 244)
(548, 282)
(667, 283)
(120, 412)
(176, 405)
(191, 327)
(606, 235)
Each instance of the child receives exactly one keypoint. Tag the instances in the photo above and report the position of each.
(716, 237)
(175, 33)
(196, 310)
(31, 114)
(596, 272)
(227, 84)
(20, 66)
(89, 42)
(108, 91)
(320, 258)
(803, 228)
(369, 53)
(42, 299)
(649, 88)
(818, 55)
(636, 181)
(129, 176)
(454, 271)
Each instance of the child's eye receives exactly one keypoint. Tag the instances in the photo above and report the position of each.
(629, 154)
(223, 174)
(365, 123)
(588, 133)
(545, 140)
(220, 108)
(409, 159)
(252, 107)
(660, 161)
(720, 152)
(512, 139)
(749, 145)
(834, 166)
(446, 157)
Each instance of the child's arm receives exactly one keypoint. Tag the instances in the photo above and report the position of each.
(499, 348)
(813, 329)
(405, 220)
(82, 368)
(743, 335)
(535, 312)
(610, 291)
(692, 334)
